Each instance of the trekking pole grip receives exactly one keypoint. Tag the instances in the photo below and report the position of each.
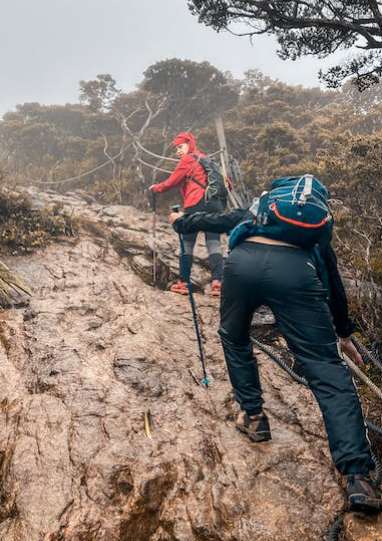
(153, 201)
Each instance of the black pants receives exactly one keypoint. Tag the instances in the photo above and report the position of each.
(285, 280)
(215, 256)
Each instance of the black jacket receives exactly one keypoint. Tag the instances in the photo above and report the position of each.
(224, 223)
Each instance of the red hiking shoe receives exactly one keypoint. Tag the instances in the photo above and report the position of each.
(180, 287)
(216, 287)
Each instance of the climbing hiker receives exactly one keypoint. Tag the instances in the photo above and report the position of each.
(190, 176)
(262, 269)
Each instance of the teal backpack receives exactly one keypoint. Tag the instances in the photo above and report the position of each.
(295, 210)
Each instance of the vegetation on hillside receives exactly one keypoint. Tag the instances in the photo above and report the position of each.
(273, 129)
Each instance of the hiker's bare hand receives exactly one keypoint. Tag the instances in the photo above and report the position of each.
(175, 216)
(152, 188)
(350, 350)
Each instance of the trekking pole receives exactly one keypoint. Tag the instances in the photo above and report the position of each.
(153, 206)
(205, 381)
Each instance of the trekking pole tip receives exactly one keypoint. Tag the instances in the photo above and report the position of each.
(205, 382)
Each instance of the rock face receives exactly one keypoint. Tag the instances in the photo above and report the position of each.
(105, 433)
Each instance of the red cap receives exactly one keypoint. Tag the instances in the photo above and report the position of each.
(185, 137)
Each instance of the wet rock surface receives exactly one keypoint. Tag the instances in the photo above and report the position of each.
(105, 433)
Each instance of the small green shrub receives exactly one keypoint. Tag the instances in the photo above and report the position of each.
(23, 228)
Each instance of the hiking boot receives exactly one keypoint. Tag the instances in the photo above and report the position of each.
(362, 494)
(216, 287)
(256, 427)
(180, 287)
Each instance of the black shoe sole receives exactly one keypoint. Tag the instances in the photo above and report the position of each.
(256, 437)
(362, 504)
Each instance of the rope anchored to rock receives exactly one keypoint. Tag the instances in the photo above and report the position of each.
(366, 355)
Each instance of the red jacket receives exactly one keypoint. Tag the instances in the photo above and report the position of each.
(191, 192)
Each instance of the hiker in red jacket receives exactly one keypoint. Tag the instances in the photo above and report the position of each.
(191, 178)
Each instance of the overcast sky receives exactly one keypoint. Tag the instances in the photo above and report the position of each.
(48, 46)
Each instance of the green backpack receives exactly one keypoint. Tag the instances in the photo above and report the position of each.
(217, 183)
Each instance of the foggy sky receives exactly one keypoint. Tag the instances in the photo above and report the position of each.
(48, 46)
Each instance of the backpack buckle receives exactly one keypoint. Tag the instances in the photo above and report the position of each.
(307, 191)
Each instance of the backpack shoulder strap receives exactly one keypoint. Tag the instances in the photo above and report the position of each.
(190, 177)
(197, 182)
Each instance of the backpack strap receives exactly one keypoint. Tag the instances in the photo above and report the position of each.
(197, 160)
(307, 191)
(204, 186)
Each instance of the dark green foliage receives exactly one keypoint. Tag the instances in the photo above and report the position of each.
(353, 167)
(100, 94)
(196, 92)
(23, 229)
(308, 27)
